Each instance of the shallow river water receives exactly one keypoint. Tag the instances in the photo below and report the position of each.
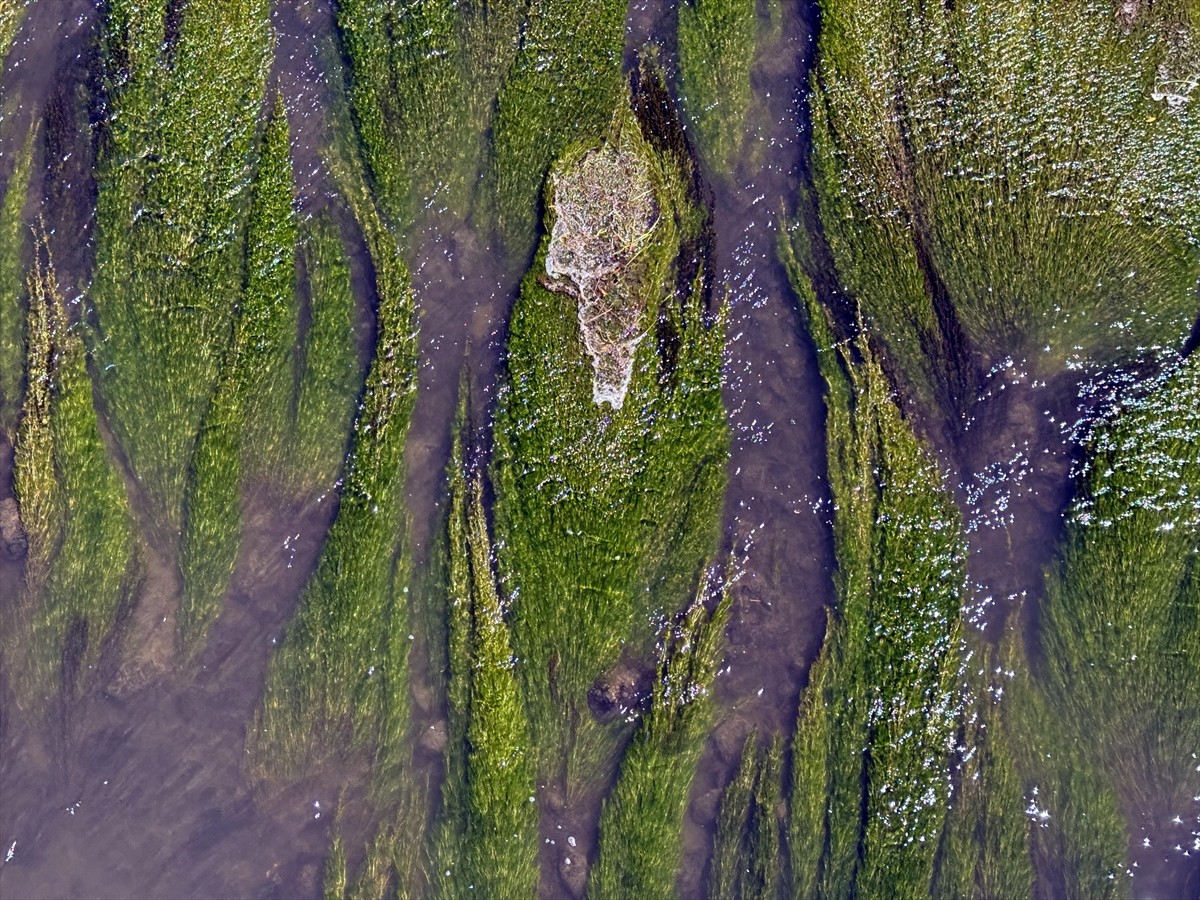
(142, 790)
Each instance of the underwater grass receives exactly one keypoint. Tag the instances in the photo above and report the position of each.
(82, 554)
(562, 86)
(884, 704)
(716, 49)
(334, 880)
(604, 516)
(1120, 624)
(339, 680)
(12, 315)
(423, 84)
(330, 376)
(249, 409)
(985, 850)
(1077, 835)
(212, 518)
(747, 859)
(805, 827)
(487, 840)
(267, 317)
(12, 13)
(391, 863)
(1016, 179)
(175, 160)
(641, 823)
(35, 479)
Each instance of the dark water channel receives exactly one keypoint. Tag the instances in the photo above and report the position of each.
(143, 792)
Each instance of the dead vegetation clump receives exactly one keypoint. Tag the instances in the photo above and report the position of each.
(604, 214)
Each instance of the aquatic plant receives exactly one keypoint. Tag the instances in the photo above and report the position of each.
(390, 863)
(985, 850)
(747, 859)
(716, 50)
(12, 315)
(807, 822)
(1120, 624)
(249, 410)
(641, 823)
(334, 880)
(875, 732)
(1099, 719)
(175, 158)
(330, 375)
(35, 480)
(11, 16)
(81, 564)
(339, 680)
(212, 518)
(267, 315)
(1077, 836)
(1017, 179)
(604, 515)
(487, 839)
(407, 90)
(562, 86)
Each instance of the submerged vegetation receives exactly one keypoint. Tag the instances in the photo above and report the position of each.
(871, 763)
(407, 88)
(340, 678)
(641, 825)
(250, 388)
(487, 840)
(563, 84)
(989, 183)
(716, 50)
(605, 514)
(1010, 180)
(12, 13)
(81, 561)
(1120, 637)
(181, 116)
(747, 857)
(985, 849)
(267, 318)
(431, 82)
(330, 379)
(12, 316)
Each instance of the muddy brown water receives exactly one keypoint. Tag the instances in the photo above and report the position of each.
(142, 790)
